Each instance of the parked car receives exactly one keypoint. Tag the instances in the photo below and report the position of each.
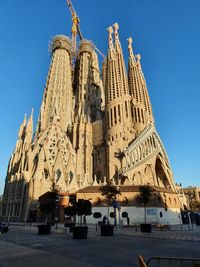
(3, 228)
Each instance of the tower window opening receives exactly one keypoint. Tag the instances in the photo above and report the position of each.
(154, 143)
(135, 115)
(132, 115)
(115, 115)
(142, 115)
(126, 109)
(111, 118)
(138, 114)
(119, 114)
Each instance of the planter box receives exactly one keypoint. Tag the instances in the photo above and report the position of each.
(44, 229)
(107, 229)
(80, 232)
(145, 228)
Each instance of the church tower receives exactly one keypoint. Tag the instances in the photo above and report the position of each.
(15, 195)
(88, 127)
(141, 106)
(57, 98)
(120, 117)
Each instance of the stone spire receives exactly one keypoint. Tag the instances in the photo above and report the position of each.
(147, 103)
(110, 39)
(58, 88)
(22, 128)
(141, 107)
(29, 132)
(88, 122)
(29, 127)
(118, 101)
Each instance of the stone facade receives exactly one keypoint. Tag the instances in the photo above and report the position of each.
(90, 130)
(192, 194)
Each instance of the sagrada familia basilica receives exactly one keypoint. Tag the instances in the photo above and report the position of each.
(95, 125)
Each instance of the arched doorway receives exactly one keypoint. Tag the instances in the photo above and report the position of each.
(161, 176)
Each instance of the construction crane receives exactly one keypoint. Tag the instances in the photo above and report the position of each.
(76, 29)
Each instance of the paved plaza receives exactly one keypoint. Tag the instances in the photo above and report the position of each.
(22, 246)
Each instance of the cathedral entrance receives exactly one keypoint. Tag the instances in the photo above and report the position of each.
(162, 179)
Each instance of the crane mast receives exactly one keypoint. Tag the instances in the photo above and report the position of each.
(76, 29)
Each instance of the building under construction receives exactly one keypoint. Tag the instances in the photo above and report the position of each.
(96, 125)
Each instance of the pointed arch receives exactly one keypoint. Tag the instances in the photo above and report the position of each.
(162, 177)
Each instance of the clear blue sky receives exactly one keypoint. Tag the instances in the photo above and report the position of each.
(165, 32)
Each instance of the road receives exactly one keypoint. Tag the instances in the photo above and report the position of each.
(22, 246)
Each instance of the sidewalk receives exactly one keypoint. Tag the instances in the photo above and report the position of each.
(22, 256)
(182, 232)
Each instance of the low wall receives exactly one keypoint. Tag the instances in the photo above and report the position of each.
(136, 215)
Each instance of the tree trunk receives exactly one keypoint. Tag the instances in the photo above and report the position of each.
(145, 215)
(108, 211)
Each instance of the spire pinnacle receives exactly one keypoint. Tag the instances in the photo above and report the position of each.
(116, 28)
(138, 62)
(24, 122)
(110, 39)
(130, 48)
(32, 110)
(29, 127)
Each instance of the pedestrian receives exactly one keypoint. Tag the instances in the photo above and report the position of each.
(84, 219)
(128, 220)
(105, 220)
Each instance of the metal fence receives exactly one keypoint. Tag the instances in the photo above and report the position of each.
(168, 262)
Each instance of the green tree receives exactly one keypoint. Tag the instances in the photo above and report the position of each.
(81, 208)
(145, 197)
(47, 202)
(195, 206)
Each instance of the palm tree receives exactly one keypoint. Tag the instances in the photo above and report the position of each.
(144, 197)
(110, 191)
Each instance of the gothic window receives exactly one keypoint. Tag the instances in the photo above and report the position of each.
(154, 143)
(119, 114)
(142, 115)
(135, 115)
(71, 175)
(138, 114)
(46, 173)
(132, 113)
(115, 115)
(58, 174)
(126, 109)
(111, 117)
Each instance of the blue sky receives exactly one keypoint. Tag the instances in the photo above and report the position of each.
(165, 32)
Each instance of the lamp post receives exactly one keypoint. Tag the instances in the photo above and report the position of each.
(118, 208)
(57, 210)
(190, 198)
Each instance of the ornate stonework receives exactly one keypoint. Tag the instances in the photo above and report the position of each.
(90, 130)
